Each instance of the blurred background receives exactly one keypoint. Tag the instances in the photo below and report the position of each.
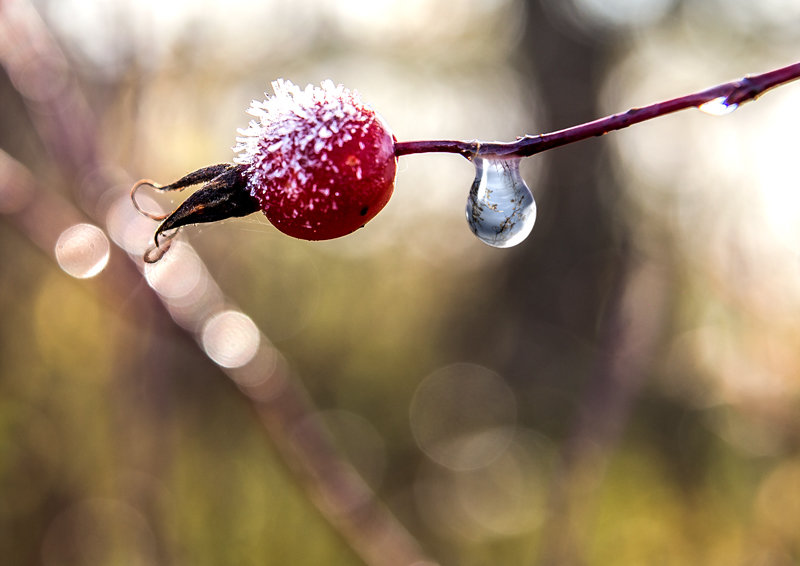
(623, 387)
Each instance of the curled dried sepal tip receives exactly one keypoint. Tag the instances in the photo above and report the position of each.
(135, 189)
(318, 162)
(223, 194)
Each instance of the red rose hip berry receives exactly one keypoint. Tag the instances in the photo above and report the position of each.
(318, 162)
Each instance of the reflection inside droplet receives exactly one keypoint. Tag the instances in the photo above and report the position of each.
(717, 107)
(230, 339)
(500, 207)
(82, 250)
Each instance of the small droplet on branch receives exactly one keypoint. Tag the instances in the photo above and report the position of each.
(718, 107)
(500, 207)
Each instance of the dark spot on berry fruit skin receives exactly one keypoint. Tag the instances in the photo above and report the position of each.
(364, 211)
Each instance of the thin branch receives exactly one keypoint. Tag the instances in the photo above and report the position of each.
(731, 94)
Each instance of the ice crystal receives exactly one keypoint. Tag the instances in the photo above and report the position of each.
(294, 130)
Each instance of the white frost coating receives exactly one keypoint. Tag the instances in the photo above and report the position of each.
(295, 127)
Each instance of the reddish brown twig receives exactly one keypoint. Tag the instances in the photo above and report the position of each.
(732, 93)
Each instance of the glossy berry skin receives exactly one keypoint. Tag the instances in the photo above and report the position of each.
(320, 163)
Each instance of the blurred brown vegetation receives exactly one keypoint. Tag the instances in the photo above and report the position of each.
(621, 388)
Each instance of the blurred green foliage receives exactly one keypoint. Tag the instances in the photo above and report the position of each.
(648, 330)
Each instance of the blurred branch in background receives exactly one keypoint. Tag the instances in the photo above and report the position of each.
(66, 127)
(623, 386)
(629, 339)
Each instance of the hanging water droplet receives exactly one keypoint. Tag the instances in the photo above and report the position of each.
(500, 207)
(718, 107)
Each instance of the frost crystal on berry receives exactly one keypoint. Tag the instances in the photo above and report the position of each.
(296, 125)
(297, 117)
(313, 156)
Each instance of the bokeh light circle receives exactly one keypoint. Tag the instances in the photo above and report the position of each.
(129, 229)
(463, 416)
(230, 339)
(508, 497)
(82, 250)
(99, 531)
(178, 275)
